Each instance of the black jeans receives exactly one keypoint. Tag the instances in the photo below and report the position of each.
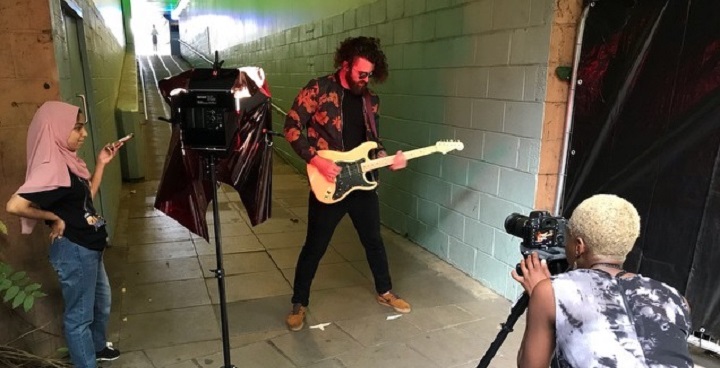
(364, 210)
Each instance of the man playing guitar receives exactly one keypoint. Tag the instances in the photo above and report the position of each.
(339, 113)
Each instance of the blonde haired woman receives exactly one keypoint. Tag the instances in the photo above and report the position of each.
(598, 315)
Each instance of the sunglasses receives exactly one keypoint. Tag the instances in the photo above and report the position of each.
(364, 75)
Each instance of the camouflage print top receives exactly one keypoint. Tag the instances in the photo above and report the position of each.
(318, 108)
(596, 326)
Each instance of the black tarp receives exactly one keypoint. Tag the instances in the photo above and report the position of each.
(185, 188)
(646, 126)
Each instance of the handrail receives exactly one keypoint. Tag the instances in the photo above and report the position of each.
(139, 67)
(196, 51)
(278, 109)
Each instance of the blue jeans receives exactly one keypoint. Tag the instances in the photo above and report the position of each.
(86, 293)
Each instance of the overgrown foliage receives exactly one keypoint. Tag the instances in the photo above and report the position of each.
(17, 290)
(15, 358)
(17, 287)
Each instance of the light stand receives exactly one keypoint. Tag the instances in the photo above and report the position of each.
(219, 272)
(205, 113)
(207, 110)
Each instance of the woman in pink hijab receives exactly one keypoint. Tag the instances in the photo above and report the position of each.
(59, 189)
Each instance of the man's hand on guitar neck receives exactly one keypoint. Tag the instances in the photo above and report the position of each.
(399, 161)
(327, 168)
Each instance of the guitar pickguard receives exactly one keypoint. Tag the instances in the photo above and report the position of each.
(350, 178)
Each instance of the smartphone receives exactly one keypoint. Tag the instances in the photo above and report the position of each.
(125, 138)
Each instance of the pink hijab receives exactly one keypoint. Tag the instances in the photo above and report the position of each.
(48, 156)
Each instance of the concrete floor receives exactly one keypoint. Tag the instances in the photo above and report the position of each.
(165, 308)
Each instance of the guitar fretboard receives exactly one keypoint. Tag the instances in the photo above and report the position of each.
(388, 160)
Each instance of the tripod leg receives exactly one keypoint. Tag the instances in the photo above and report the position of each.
(515, 312)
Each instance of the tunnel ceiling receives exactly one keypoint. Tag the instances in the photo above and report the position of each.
(166, 5)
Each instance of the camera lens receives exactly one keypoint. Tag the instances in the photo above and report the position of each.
(515, 223)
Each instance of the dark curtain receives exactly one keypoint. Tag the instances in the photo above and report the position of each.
(646, 127)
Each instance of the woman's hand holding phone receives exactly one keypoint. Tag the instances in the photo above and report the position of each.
(111, 149)
(122, 140)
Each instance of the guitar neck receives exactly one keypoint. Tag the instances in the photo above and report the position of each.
(388, 160)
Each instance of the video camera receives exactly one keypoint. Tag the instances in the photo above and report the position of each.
(543, 234)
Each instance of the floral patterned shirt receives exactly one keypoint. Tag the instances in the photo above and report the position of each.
(318, 108)
(606, 321)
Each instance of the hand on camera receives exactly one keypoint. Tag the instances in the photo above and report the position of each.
(533, 270)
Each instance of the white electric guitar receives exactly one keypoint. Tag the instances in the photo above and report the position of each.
(355, 163)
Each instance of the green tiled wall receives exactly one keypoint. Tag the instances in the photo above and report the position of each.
(459, 69)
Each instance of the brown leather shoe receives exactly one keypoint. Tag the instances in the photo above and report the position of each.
(296, 319)
(393, 301)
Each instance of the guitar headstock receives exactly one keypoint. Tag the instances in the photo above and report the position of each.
(449, 145)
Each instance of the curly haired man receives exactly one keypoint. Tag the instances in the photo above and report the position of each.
(339, 112)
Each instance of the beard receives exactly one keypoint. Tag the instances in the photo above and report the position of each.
(356, 88)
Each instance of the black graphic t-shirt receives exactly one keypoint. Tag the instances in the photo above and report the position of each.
(83, 225)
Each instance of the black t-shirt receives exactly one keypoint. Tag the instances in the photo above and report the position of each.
(83, 226)
(353, 128)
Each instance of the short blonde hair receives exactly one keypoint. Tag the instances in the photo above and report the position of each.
(608, 224)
